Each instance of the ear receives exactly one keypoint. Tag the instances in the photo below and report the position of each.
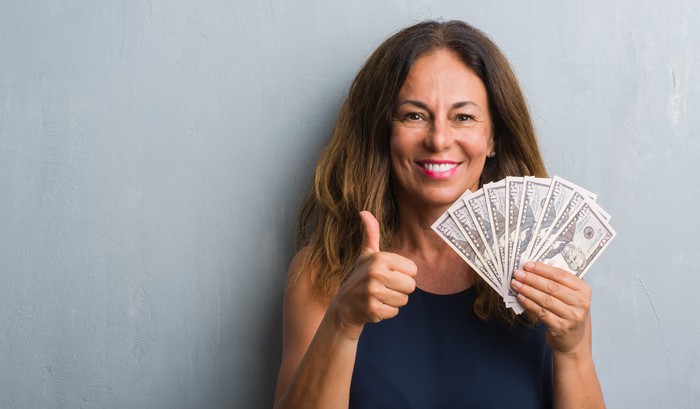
(491, 144)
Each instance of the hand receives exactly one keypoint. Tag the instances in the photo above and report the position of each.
(378, 286)
(560, 299)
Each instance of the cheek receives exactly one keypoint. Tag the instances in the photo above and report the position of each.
(485, 144)
(487, 138)
(401, 147)
(395, 151)
(477, 145)
(477, 157)
(397, 157)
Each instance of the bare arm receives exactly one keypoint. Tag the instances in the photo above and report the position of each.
(317, 359)
(575, 382)
(320, 341)
(562, 301)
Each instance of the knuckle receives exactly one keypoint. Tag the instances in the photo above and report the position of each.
(375, 315)
(579, 316)
(586, 303)
(374, 288)
(391, 313)
(374, 307)
(559, 274)
(541, 312)
(587, 291)
(569, 326)
(547, 299)
(563, 326)
(375, 274)
(374, 264)
(573, 323)
(552, 287)
(412, 286)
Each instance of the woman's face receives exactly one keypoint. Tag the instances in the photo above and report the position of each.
(441, 132)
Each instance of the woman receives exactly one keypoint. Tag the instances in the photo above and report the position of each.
(379, 311)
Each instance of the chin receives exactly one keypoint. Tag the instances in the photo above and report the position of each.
(444, 197)
(433, 196)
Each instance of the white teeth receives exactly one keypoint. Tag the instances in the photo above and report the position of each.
(439, 167)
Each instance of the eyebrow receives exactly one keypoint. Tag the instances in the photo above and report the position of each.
(423, 106)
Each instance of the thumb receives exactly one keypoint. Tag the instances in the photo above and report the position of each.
(371, 225)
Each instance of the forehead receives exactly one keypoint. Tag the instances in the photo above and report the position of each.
(442, 75)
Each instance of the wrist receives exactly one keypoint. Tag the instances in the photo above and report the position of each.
(341, 326)
(577, 359)
(580, 352)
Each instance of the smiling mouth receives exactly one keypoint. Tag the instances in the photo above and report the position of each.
(438, 167)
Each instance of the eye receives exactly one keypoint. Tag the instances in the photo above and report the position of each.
(414, 116)
(463, 118)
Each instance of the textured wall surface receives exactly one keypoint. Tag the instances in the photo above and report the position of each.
(153, 155)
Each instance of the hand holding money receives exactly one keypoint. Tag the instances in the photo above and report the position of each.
(378, 286)
(559, 299)
(506, 223)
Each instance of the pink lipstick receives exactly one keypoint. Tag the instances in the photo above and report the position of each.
(438, 169)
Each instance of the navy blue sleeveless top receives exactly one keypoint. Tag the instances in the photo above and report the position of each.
(437, 354)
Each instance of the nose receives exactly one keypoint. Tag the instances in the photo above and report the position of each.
(439, 137)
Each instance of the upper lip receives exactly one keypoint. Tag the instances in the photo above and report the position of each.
(438, 161)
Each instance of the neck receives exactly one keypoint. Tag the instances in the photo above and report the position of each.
(440, 269)
(414, 232)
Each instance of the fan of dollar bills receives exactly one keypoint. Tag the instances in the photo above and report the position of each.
(504, 224)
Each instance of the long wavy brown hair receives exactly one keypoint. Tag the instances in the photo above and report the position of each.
(354, 173)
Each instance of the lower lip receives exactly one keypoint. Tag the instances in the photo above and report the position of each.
(438, 175)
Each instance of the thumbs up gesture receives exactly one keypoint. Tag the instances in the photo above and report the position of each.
(378, 286)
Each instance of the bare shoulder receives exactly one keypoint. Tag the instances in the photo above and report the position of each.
(302, 315)
(299, 292)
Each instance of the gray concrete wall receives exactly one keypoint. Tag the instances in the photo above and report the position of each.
(153, 155)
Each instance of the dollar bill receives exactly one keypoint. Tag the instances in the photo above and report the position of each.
(534, 196)
(575, 201)
(558, 195)
(470, 229)
(600, 210)
(587, 193)
(495, 194)
(499, 227)
(579, 243)
(514, 187)
(478, 209)
(446, 227)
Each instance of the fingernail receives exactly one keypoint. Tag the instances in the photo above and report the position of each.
(516, 283)
(519, 273)
(522, 298)
(529, 265)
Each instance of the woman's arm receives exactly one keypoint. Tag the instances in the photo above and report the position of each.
(320, 342)
(317, 359)
(562, 301)
(575, 382)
